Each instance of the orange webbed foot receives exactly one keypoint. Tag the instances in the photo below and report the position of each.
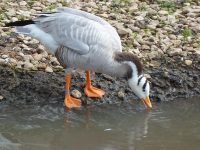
(71, 102)
(91, 91)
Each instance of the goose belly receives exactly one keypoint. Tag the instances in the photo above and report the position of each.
(97, 61)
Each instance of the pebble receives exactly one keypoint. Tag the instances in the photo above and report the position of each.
(139, 18)
(27, 58)
(37, 56)
(121, 94)
(4, 56)
(130, 23)
(42, 66)
(28, 65)
(163, 12)
(104, 15)
(188, 62)
(2, 61)
(75, 93)
(49, 69)
(175, 51)
(13, 61)
(23, 3)
(1, 97)
(124, 31)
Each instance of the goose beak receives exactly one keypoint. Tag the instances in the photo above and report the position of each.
(147, 102)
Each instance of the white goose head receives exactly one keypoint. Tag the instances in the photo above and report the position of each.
(136, 79)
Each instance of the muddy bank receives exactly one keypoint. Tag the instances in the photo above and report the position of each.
(169, 81)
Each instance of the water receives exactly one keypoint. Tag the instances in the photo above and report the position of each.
(170, 125)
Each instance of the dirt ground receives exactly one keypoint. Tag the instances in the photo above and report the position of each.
(169, 81)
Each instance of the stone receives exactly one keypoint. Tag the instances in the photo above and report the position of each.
(188, 62)
(42, 66)
(28, 58)
(104, 15)
(145, 47)
(37, 56)
(121, 94)
(2, 61)
(148, 76)
(124, 31)
(172, 36)
(13, 61)
(1, 97)
(75, 93)
(22, 3)
(175, 51)
(49, 69)
(4, 56)
(28, 65)
(11, 12)
(13, 19)
(197, 51)
(139, 18)
(163, 12)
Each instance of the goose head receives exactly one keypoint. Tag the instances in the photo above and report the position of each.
(135, 77)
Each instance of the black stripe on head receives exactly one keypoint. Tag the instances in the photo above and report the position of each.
(144, 86)
(139, 80)
(126, 56)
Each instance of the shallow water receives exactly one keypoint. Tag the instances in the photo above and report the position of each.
(169, 125)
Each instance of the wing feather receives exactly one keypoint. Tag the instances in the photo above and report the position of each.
(78, 30)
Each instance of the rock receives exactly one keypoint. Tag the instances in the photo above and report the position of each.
(104, 15)
(28, 58)
(2, 61)
(13, 61)
(28, 65)
(136, 51)
(13, 19)
(121, 30)
(54, 61)
(163, 12)
(121, 94)
(145, 47)
(42, 66)
(1, 97)
(175, 51)
(75, 93)
(11, 12)
(22, 3)
(148, 76)
(37, 56)
(4, 56)
(51, 1)
(197, 51)
(188, 62)
(49, 69)
(172, 36)
(139, 18)
(26, 13)
(133, 7)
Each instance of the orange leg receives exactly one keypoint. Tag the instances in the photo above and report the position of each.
(70, 102)
(91, 91)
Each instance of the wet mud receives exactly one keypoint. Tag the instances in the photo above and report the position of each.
(169, 81)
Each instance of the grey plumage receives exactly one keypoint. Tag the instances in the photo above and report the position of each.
(83, 40)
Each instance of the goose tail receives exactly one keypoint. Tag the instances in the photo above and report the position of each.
(21, 26)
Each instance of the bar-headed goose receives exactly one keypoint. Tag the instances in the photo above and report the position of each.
(82, 40)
